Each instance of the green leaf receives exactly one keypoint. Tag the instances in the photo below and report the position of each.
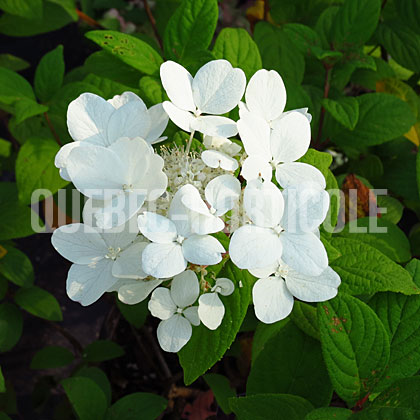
(394, 208)
(51, 357)
(98, 376)
(54, 17)
(409, 13)
(329, 413)
(222, 390)
(11, 324)
(399, 402)
(13, 87)
(401, 43)
(87, 398)
(382, 118)
(303, 37)
(13, 63)
(191, 28)
(129, 49)
(16, 267)
(365, 270)
(16, 218)
(2, 383)
(102, 350)
(269, 406)
(345, 110)
(152, 90)
(393, 243)
(324, 24)
(236, 46)
(355, 345)
(195, 357)
(140, 405)
(49, 74)
(39, 302)
(35, 169)
(69, 6)
(304, 317)
(278, 52)
(5, 148)
(291, 363)
(134, 314)
(354, 23)
(105, 64)
(26, 8)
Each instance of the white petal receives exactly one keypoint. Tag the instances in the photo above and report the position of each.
(263, 203)
(128, 264)
(121, 236)
(256, 167)
(222, 193)
(177, 82)
(137, 291)
(295, 173)
(264, 272)
(60, 160)
(313, 289)
(211, 310)
(185, 289)
(180, 214)
(95, 168)
(217, 87)
(174, 333)
(157, 228)
(254, 247)
(87, 118)
(87, 283)
(183, 119)
(202, 250)
(255, 135)
(265, 94)
(79, 243)
(272, 300)
(216, 159)
(191, 199)
(305, 208)
(305, 253)
(212, 125)
(303, 111)
(290, 137)
(161, 304)
(191, 314)
(131, 120)
(158, 122)
(163, 260)
(119, 100)
(203, 225)
(226, 286)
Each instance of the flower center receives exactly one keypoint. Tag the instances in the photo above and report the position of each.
(278, 229)
(216, 289)
(113, 253)
(127, 188)
(180, 239)
(212, 210)
(179, 310)
(282, 271)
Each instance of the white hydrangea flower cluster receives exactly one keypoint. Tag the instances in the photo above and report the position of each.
(153, 215)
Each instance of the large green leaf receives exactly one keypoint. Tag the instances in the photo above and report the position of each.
(354, 23)
(86, 397)
(129, 49)
(16, 218)
(382, 118)
(51, 357)
(99, 377)
(206, 347)
(191, 28)
(101, 350)
(140, 405)
(26, 8)
(409, 12)
(401, 42)
(278, 52)
(16, 267)
(355, 345)
(398, 402)
(135, 314)
(392, 242)
(11, 324)
(270, 406)
(236, 46)
(35, 169)
(345, 110)
(39, 302)
(304, 317)
(54, 17)
(222, 390)
(49, 74)
(365, 270)
(291, 363)
(152, 90)
(329, 413)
